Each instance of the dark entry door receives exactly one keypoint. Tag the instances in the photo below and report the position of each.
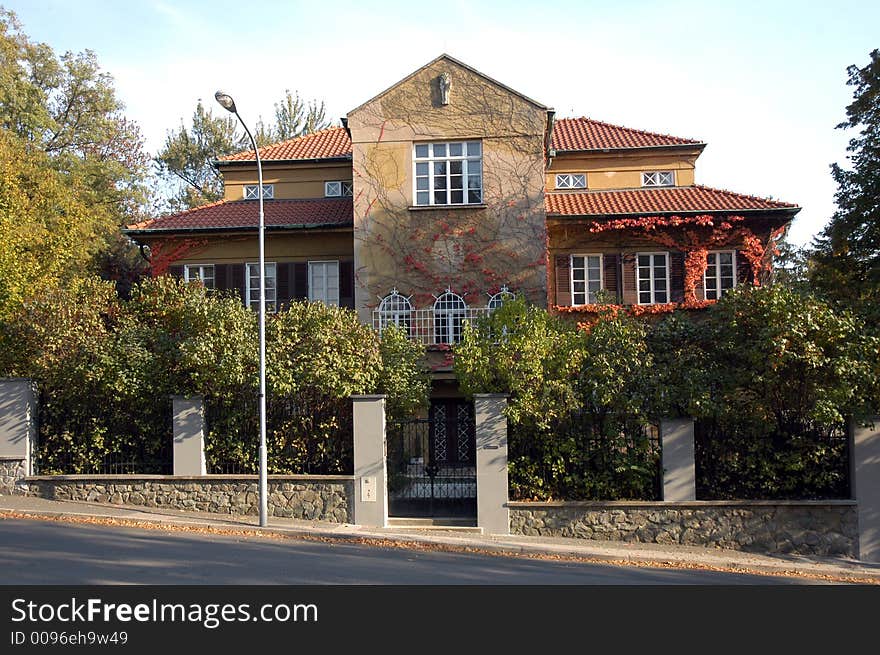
(431, 463)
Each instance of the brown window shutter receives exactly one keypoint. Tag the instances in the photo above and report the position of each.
(609, 273)
(743, 269)
(284, 271)
(630, 290)
(176, 271)
(221, 276)
(676, 276)
(346, 284)
(300, 281)
(236, 280)
(563, 282)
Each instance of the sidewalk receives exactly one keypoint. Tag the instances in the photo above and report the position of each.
(818, 569)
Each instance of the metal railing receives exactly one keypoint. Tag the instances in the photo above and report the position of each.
(428, 326)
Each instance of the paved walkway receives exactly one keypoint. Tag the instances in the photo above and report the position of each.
(820, 569)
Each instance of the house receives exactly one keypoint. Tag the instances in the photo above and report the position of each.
(447, 192)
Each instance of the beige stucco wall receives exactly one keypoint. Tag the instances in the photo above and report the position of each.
(473, 250)
(304, 180)
(623, 170)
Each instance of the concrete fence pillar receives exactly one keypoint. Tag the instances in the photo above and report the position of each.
(679, 467)
(189, 435)
(491, 436)
(18, 432)
(370, 475)
(864, 451)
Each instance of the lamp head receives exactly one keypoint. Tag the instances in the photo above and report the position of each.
(225, 100)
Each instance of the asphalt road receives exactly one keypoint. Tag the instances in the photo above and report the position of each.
(41, 552)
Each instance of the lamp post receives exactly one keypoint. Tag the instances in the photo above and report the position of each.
(228, 104)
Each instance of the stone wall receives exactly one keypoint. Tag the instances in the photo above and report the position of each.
(12, 472)
(796, 527)
(324, 498)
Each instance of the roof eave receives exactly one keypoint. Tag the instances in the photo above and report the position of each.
(236, 228)
(770, 210)
(671, 146)
(217, 163)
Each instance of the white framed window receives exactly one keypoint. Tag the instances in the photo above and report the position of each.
(251, 191)
(720, 273)
(395, 309)
(204, 273)
(337, 188)
(448, 173)
(498, 299)
(324, 282)
(658, 178)
(253, 286)
(571, 181)
(450, 311)
(652, 277)
(586, 278)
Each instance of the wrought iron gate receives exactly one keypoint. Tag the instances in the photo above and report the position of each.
(432, 464)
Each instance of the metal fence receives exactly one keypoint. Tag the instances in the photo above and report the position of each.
(107, 438)
(305, 433)
(586, 457)
(749, 463)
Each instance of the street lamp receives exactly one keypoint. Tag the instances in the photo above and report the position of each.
(228, 104)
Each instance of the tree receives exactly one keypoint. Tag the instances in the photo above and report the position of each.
(847, 253)
(186, 160)
(62, 113)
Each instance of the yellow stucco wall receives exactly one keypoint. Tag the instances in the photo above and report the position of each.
(624, 170)
(471, 249)
(291, 181)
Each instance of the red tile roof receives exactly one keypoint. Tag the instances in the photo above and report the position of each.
(575, 134)
(321, 212)
(656, 201)
(325, 144)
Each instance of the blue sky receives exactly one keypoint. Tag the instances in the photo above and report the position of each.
(763, 83)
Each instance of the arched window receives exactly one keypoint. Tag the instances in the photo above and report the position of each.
(498, 299)
(395, 310)
(450, 310)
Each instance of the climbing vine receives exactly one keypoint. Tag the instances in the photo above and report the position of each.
(165, 252)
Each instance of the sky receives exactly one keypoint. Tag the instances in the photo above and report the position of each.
(762, 83)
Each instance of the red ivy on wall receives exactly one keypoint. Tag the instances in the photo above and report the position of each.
(166, 252)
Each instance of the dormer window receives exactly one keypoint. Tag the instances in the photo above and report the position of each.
(448, 173)
(337, 189)
(658, 178)
(251, 191)
(571, 181)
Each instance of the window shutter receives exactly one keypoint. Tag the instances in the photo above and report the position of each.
(676, 276)
(609, 264)
(221, 276)
(743, 269)
(176, 271)
(284, 272)
(300, 281)
(236, 281)
(346, 284)
(563, 283)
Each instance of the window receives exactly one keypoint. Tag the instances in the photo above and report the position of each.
(586, 278)
(395, 310)
(253, 286)
(449, 173)
(658, 178)
(498, 299)
(450, 310)
(324, 282)
(204, 273)
(337, 188)
(250, 191)
(571, 181)
(653, 277)
(720, 273)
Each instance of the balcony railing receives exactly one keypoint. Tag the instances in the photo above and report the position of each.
(428, 326)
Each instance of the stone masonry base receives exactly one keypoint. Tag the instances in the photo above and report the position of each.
(321, 498)
(795, 527)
